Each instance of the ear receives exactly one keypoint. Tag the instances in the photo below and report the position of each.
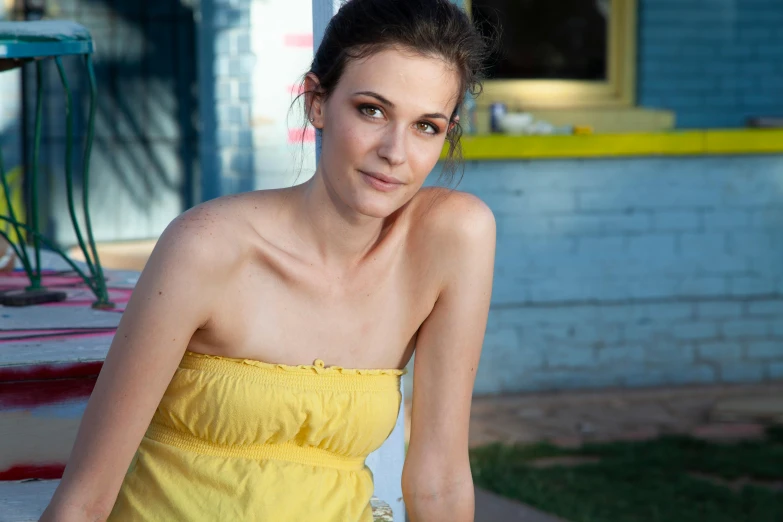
(313, 100)
(453, 123)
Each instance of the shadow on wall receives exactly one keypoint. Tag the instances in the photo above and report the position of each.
(144, 155)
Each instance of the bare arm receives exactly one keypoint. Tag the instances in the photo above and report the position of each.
(436, 482)
(170, 302)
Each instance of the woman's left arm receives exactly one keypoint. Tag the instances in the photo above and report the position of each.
(436, 481)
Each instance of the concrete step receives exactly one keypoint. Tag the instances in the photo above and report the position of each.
(50, 357)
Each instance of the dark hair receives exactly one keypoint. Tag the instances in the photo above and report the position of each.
(436, 28)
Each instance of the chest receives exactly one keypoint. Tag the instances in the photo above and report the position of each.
(295, 314)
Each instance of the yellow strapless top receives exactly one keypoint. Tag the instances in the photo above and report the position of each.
(243, 440)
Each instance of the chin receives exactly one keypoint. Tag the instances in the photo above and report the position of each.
(375, 209)
(376, 205)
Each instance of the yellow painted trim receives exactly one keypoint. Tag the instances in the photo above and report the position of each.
(619, 90)
(744, 141)
(679, 143)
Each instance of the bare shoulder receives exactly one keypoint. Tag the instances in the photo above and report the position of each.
(452, 218)
(210, 236)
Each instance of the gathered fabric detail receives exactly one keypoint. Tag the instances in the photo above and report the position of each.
(316, 376)
(241, 439)
(318, 366)
(287, 451)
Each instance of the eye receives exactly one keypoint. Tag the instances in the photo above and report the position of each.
(371, 111)
(427, 127)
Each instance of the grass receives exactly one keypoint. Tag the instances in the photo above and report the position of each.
(669, 479)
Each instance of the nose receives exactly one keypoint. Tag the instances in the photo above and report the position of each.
(392, 146)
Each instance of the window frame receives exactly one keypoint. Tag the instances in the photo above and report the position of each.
(619, 90)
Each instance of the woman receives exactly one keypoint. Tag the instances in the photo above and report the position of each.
(355, 268)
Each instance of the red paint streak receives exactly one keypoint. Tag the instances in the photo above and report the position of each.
(40, 372)
(14, 333)
(48, 338)
(298, 40)
(73, 303)
(87, 303)
(299, 135)
(21, 273)
(30, 471)
(50, 279)
(28, 394)
(80, 296)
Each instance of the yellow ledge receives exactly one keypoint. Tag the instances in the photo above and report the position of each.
(672, 143)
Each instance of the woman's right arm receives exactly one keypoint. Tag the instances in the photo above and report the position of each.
(172, 299)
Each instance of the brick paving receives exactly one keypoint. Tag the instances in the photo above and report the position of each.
(575, 417)
(570, 418)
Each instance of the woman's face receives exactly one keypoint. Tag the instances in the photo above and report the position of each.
(384, 127)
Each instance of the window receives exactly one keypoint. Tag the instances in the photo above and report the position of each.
(560, 54)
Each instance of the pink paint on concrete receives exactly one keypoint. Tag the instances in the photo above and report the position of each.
(19, 278)
(298, 40)
(13, 333)
(40, 335)
(300, 135)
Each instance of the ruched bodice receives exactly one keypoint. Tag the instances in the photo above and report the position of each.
(238, 439)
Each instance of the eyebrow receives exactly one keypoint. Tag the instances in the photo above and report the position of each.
(434, 115)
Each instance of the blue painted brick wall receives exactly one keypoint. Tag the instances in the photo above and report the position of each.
(714, 62)
(641, 272)
(226, 64)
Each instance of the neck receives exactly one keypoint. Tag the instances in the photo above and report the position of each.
(340, 236)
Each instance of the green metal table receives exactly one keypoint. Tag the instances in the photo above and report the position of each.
(42, 42)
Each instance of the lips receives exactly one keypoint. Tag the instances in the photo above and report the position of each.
(379, 181)
(382, 177)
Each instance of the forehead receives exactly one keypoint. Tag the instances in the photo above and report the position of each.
(409, 80)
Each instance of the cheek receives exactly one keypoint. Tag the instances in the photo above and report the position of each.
(424, 158)
(349, 138)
